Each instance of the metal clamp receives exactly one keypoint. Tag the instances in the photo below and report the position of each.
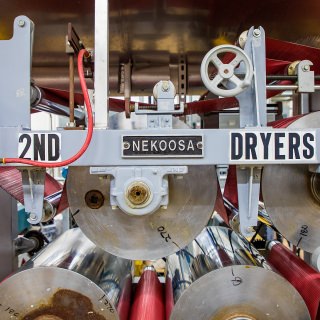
(33, 192)
(139, 190)
(226, 71)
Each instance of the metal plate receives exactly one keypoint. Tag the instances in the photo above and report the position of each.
(39, 286)
(216, 297)
(155, 146)
(191, 202)
(289, 200)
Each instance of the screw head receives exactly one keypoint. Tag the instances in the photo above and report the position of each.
(94, 199)
(33, 216)
(126, 145)
(21, 23)
(199, 145)
(306, 68)
(256, 33)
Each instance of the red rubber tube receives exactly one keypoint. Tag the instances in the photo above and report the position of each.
(81, 55)
(148, 302)
(304, 278)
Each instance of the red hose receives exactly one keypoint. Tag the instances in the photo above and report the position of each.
(89, 131)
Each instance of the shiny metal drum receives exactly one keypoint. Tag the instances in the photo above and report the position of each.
(221, 276)
(142, 237)
(291, 194)
(70, 279)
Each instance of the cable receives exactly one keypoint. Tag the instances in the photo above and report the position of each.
(84, 147)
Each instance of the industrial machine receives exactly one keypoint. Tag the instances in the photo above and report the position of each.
(142, 180)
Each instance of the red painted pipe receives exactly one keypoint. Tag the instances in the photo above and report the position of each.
(148, 302)
(304, 278)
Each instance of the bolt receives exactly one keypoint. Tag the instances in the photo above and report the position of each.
(94, 199)
(33, 216)
(306, 68)
(21, 23)
(165, 86)
(256, 33)
(199, 145)
(126, 145)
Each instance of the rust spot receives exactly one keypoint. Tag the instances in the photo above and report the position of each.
(65, 305)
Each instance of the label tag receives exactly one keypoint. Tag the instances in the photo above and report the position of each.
(272, 146)
(162, 146)
(40, 146)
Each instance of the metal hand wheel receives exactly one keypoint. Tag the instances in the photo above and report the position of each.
(226, 71)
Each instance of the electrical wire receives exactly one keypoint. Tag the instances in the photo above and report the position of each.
(83, 53)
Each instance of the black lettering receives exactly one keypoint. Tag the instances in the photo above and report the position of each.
(304, 230)
(236, 146)
(278, 145)
(39, 147)
(308, 153)
(294, 143)
(251, 145)
(53, 147)
(265, 138)
(26, 137)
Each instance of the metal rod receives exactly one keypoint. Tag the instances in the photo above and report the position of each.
(286, 77)
(71, 87)
(287, 87)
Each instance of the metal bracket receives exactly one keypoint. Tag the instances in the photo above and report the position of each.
(248, 179)
(33, 192)
(253, 110)
(164, 92)
(305, 76)
(253, 113)
(139, 190)
(16, 65)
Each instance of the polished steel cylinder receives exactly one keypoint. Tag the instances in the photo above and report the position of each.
(221, 276)
(70, 279)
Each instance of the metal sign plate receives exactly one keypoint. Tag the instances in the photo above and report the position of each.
(162, 146)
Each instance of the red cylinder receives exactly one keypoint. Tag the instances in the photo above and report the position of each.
(304, 278)
(148, 301)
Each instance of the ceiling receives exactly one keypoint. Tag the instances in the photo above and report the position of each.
(152, 33)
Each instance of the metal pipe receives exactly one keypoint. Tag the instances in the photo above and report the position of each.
(71, 88)
(58, 109)
(287, 87)
(70, 279)
(221, 276)
(50, 205)
(101, 59)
